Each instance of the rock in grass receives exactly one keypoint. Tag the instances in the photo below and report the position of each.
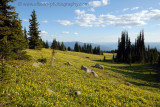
(68, 63)
(89, 71)
(77, 93)
(50, 91)
(99, 66)
(37, 64)
(128, 83)
(86, 69)
(53, 58)
(94, 74)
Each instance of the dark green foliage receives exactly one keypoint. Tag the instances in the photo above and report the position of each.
(6, 49)
(46, 45)
(35, 41)
(104, 59)
(87, 48)
(76, 47)
(128, 53)
(55, 44)
(2, 69)
(63, 47)
(97, 50)
(69, 48)
(42, 60)
(124, 48)
(26, 38)
(58, 45)
(11, 35)
(3, 66)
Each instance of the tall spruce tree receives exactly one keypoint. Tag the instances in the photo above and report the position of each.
(54, 45)
(11, 34)
(63, 48)
(17, 38)
(34, 40)
(26, 38)
(46, 44)
(76, 47)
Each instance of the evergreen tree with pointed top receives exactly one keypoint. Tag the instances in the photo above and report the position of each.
(34, 39)
(11, 35)
(69, 48)
(76, 47)
(26, 38)
(58, 45)
(63, 47)
(54, 45)
(46, 44)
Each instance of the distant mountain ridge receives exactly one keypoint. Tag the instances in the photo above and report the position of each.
(108, 46)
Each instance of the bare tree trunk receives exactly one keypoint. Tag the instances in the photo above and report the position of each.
(52, 59)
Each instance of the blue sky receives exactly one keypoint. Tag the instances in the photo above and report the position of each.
(92, 20)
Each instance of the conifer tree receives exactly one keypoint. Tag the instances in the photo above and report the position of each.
(11, 34)
(58, 45)
(17, 38)
(54, 45)
(46, 44)
(26, 38)
(34, 40)
(76, 47)
(104, 59)
(63, 47)
(79, 48)
(69, 48)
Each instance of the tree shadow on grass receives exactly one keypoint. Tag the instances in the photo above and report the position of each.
(141, 72)
(109, 61)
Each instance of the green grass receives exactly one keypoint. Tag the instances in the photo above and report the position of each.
(25, 85)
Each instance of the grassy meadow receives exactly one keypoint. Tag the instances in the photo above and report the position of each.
(27, 85)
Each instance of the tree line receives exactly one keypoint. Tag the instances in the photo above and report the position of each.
(87, 48)
(135, 53)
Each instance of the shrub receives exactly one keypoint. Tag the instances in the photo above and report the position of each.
(42, 60)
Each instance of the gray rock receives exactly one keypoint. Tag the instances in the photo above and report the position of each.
(128, 83)
(68, 63)
(89, 71)
(37, 64)
(53, 58)
(99, 66)
(86, 69)
(94, 74)
(50, 91)
(77, 93)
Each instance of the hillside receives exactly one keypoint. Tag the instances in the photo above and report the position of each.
(27, 85)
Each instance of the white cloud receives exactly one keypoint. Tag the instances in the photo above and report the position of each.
(95, 3)
(135, 8)
(105, 2)
(98, 3)
(45, 21)
(78, 12)
(125, 9)
(65, 22)
(124, 20)
(65, 32)
(91, 9)
(43, 33)
(75, 33)
(25, 20)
